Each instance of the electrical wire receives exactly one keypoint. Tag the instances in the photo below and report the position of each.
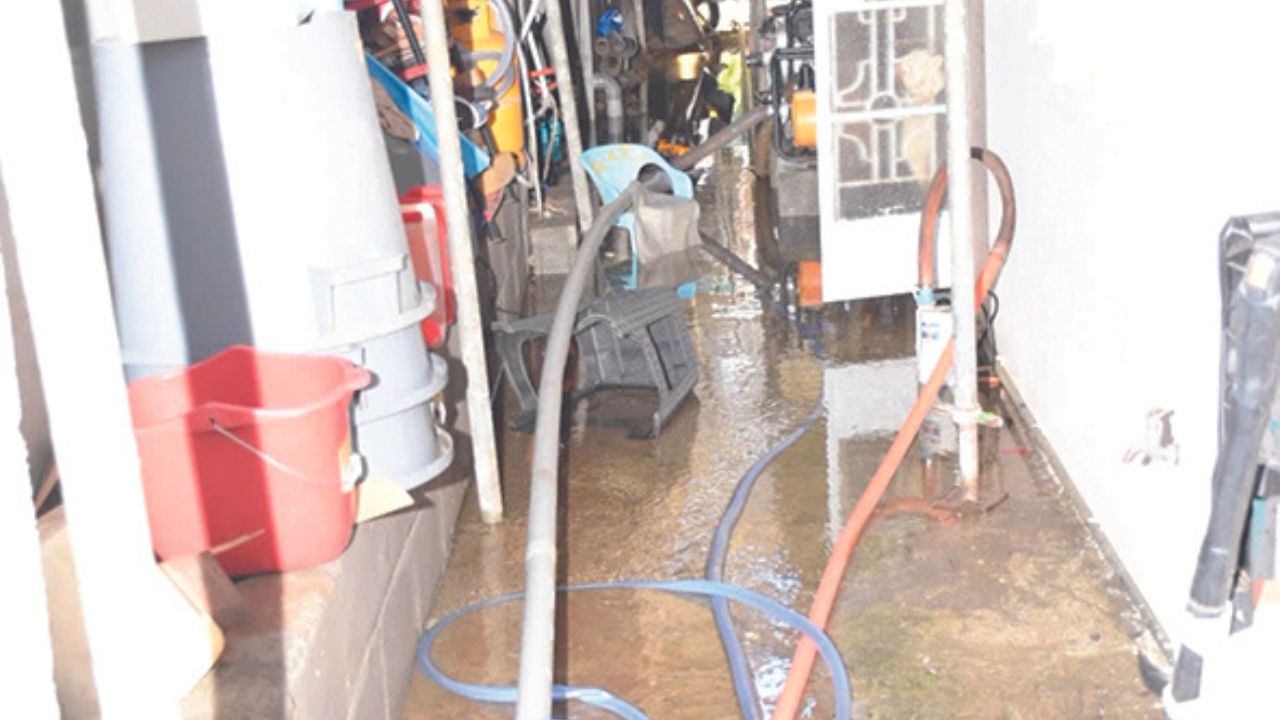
(532, 156)
(529, 16)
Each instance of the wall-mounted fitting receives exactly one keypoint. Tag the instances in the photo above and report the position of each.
(1159, 445)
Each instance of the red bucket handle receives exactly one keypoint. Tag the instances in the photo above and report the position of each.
(350, 474)
(227, 415)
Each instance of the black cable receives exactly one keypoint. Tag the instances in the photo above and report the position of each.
(988, 336)
(402, 15)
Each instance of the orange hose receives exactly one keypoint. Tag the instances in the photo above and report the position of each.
(823, 601)
(933, 208)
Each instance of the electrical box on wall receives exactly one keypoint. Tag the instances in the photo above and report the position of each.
(934, 328)
(881, 136)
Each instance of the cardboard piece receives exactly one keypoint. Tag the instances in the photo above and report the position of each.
(208, 588)
(378, 496)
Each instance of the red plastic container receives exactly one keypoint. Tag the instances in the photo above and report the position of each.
(250, 450)
(422, 209)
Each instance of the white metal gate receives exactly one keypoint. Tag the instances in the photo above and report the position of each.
(881, 136)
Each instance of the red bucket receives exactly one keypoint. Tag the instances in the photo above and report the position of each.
(249, 454)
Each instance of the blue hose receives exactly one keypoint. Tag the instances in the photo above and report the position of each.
(743, 682)
(605, 700)
(744, 686)
(712, 587)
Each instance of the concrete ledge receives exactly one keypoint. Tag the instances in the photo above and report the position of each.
(336, 642)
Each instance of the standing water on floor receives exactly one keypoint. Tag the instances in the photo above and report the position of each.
(1003, 609)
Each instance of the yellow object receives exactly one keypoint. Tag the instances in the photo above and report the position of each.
(478, 34)
(804, 118)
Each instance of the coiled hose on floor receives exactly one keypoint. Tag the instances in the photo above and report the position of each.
(720, 594)
(539, 620)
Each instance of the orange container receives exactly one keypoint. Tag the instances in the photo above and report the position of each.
(804, 118)
(250, 453)
(809, 283)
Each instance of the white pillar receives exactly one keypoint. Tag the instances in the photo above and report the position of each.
(554, 34)
(462, 258)
(58, 246)
(960, 206)
(26, 658)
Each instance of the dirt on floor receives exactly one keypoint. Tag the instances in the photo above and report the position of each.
(1000, 609)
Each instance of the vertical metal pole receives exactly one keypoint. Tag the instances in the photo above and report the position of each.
(470, 324)
(960, 205)
(587, 58)
(57, 244)
(643, 89)
(554, 35)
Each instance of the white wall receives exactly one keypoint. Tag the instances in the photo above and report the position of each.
(1133, 131)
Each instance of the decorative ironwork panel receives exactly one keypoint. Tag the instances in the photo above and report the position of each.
(886, 103)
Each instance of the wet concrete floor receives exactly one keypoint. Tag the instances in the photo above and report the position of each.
(1006, 610)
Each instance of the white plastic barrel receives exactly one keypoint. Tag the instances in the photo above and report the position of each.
(247, 200)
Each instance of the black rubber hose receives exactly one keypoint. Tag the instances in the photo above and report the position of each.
(1252, 376)
(726, 256)
(745, 122)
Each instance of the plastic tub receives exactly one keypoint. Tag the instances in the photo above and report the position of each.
(397, 420)
(249, 454)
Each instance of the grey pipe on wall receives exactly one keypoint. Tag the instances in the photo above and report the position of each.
(612, 105)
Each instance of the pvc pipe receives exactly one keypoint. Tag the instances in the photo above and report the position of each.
(612, 104)
(470, 323)
(960, 204)
(585, 31)
(554, 34)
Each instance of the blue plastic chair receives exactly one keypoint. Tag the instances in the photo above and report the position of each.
(612, 168)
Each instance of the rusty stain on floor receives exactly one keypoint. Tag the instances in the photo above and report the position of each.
(1007, 613)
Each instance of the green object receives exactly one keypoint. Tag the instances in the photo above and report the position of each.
(730, 79)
